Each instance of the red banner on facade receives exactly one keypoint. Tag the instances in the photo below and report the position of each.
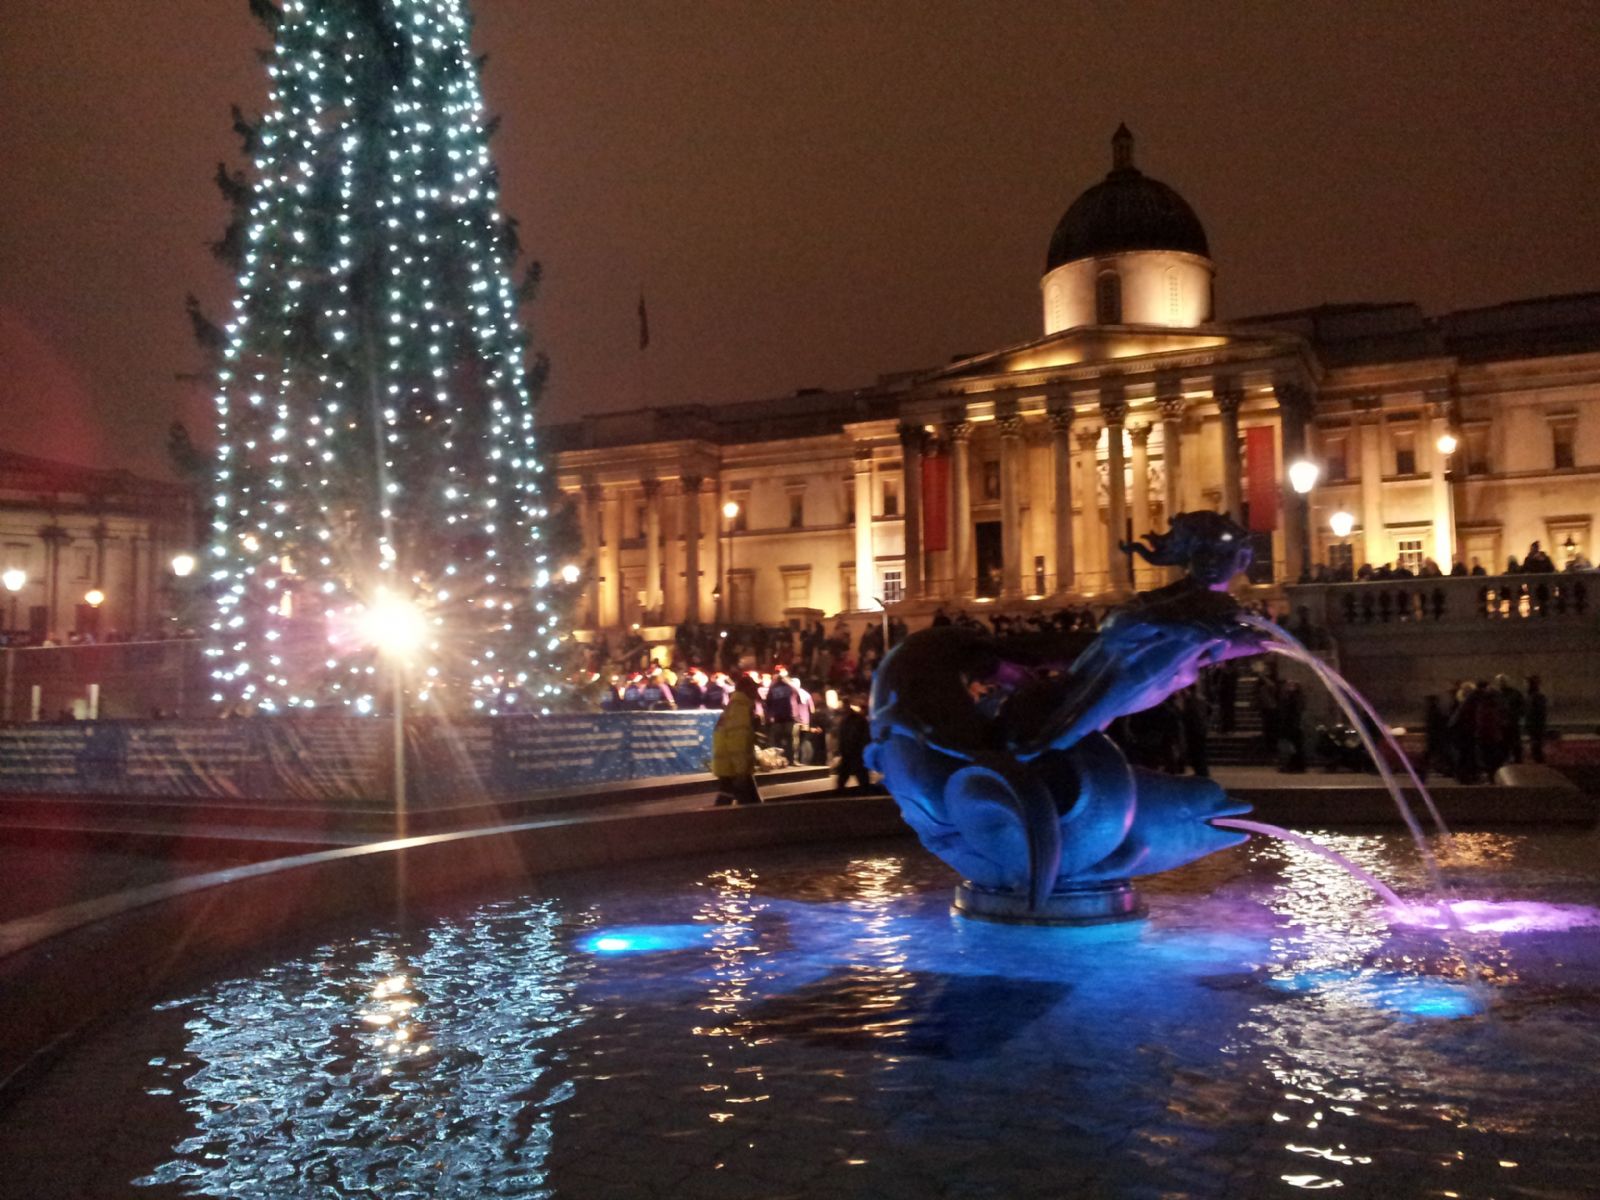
(936, 502)
(1261, 465)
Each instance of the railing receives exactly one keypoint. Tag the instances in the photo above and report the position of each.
(1455, 599)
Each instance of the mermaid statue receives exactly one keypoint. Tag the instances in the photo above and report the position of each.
(995, 747)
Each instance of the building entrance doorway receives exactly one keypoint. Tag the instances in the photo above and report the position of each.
(990, 545)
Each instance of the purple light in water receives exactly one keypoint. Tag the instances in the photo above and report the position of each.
(1498, 916)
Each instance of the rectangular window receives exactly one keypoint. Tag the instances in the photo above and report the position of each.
(1038, 575)
(894, 588)
(797, 510)
(741, 516)
(1405, 452)
(1341, 558)
(1408, 553)
(847, 588)
(85, 564)
(1337, 459)
(849, 501)
(1562, 436)
(1477, 452)
(991, 479)
(796, 589)
(891, 497)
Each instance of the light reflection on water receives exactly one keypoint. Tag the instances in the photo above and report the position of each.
(819, 1023)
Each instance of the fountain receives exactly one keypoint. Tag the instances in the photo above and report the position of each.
(995, 752)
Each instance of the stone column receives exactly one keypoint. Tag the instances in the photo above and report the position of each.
(912, 438)
(1061, 464)
(1089, 481)
(689, 522)
(594, 551)
(1444, 549)
(866, 554)
(1010, 499)
(1229, 396)
(652, 549)
(1139, 433)
(1114, 409)
(958, 431)
(1169, 399)
(1374, 543)
(611, 561)
(1293, 413)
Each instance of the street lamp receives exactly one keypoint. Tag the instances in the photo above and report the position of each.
(397, 628)
(1341, 523)
(183, 565)
(14, 579)
(730, 512)
(570, 573)
(1303, 475)
(94, 597)
(1447, 443)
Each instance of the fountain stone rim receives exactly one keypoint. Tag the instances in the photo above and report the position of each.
(1099, 902)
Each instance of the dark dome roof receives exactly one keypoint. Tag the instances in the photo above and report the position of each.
(1127, 210)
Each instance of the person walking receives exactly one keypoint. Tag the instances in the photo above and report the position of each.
(733, 747)
(854, 734)
(1536, 715)
(778, 706)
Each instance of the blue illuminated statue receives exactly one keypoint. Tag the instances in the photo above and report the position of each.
(996, 752)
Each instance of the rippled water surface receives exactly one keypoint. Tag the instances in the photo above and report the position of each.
(817, 1023)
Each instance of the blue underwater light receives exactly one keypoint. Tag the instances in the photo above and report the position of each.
(1406, 995)
(645, 939)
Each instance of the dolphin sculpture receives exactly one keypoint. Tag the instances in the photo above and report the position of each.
(995, 748)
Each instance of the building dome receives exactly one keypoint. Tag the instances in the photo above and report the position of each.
(1127, 210)
(1130, 251)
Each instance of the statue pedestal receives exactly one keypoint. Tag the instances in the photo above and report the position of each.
(1099, 903)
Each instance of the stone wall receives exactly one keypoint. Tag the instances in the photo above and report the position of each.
(1398, 641)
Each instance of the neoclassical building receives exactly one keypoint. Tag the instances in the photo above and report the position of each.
(1012, 476)
(89, 551)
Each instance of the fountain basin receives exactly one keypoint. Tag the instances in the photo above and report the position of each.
(1097, 903)
(814, 1021)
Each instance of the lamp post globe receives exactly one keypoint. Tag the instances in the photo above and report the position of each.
(1341, 523)
(183, 565)
(1303, 475)
(1447, 442)
(14, 579)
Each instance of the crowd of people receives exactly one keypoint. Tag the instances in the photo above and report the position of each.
(1478, 726)
(1535, 562)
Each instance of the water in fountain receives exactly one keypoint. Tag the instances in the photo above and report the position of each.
(1305, 843)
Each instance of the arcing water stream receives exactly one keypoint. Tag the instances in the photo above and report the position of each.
(1363, 719)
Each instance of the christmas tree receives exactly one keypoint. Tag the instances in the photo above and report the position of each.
(378, 476)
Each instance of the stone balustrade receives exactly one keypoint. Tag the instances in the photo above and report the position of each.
(1470, 599)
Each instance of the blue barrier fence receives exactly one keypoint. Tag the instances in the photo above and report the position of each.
(348, 760)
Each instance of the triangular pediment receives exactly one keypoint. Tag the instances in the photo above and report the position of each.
(1084, 345)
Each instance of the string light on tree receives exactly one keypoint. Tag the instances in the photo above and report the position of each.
(375, 402)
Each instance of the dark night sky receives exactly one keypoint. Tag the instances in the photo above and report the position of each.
(811, 193)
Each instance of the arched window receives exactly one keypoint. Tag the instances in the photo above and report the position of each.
(1108, 298)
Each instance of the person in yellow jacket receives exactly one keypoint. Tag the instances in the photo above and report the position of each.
(733, 746)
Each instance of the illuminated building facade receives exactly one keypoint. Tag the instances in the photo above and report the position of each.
(69, 535)
(1010, 477)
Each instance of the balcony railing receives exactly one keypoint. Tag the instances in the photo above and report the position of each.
(1455, 599)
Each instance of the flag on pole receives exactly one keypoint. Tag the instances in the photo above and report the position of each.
(644, 323)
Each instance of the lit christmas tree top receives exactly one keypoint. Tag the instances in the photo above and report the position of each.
(375, 404)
